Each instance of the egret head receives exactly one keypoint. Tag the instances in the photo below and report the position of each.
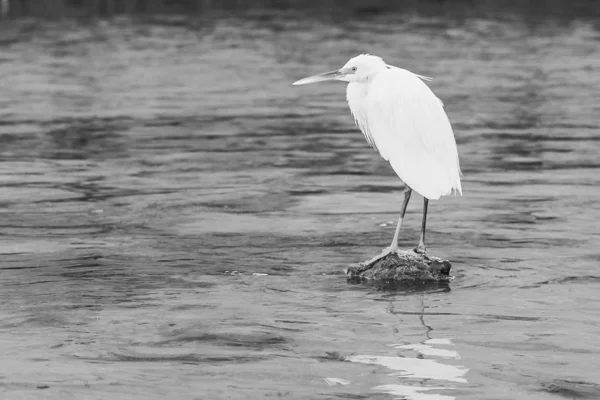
(359, 69)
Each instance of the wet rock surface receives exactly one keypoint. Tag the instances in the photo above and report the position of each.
(402, 266)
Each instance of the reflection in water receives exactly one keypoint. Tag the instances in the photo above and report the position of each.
(414, 372)
(427, 349)
(414, 392)
(420, 369)
(414, 367)
(336, 381)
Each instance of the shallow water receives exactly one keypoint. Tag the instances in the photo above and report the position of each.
(176, 217)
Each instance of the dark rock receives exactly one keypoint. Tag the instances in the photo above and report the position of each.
(402, 266)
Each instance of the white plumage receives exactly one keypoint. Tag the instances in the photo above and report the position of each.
(402, 118)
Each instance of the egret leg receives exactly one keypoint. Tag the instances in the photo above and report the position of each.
(394, 246)
(407, 193)
(421, 247)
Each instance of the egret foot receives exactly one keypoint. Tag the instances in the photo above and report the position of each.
(420, 250)
(385, 252)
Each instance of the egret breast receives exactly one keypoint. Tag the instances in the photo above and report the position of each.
(356, 93)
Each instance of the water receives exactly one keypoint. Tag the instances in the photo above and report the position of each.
(176, 217)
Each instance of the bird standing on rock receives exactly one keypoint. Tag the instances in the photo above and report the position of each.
(403, 120)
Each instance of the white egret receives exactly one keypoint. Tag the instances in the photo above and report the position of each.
(403, 120)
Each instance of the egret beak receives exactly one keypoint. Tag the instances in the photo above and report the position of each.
(327, 76)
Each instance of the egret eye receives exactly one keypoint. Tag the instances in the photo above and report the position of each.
(353, 69)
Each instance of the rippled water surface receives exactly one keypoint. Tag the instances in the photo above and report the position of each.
(175, 217)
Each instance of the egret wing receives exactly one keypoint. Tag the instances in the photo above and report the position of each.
(409, 127)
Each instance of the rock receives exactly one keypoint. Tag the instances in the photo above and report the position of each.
(402, 266)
